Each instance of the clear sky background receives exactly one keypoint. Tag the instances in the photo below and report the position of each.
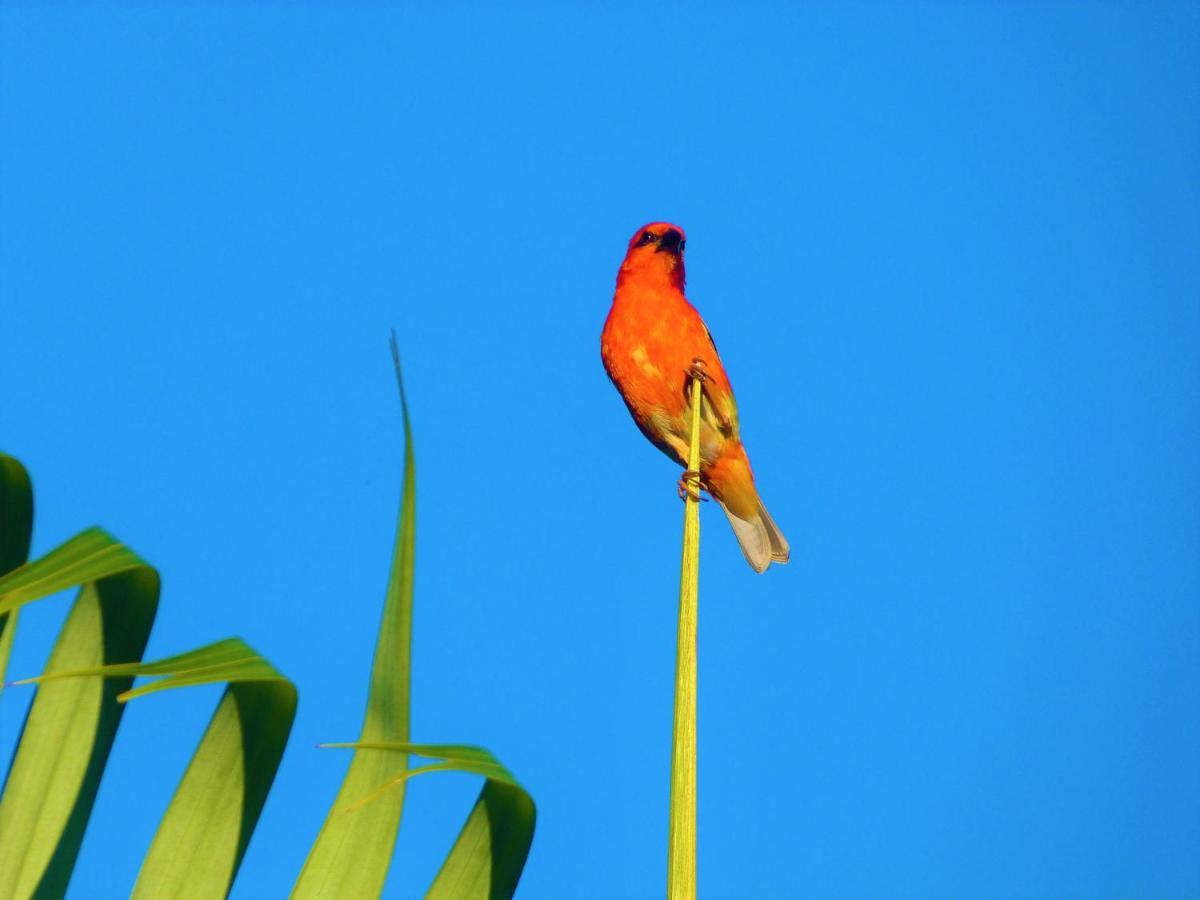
(949, 253)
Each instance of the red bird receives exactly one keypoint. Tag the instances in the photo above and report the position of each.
(654, 341)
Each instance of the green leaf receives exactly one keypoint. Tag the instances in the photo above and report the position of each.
(88, 556)
(16, 528)
(489, 855)
(16, 513)
(70, 728)
(352, 853)
(204, 834)
(8, 629)
(73, 719)
(68, 733)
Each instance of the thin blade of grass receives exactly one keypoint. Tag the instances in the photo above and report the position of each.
(71, 725)
(489, 855)
(203, 837)
(681, 839)
(16, 528)
(352, 853)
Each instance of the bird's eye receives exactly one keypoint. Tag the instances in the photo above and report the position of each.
(682, 246)
(647, 238)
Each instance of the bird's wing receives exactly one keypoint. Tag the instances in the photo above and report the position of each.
(719, 408)
(708, 334)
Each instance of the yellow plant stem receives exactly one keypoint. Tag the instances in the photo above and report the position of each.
(681, 851)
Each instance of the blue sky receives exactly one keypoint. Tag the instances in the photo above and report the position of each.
(949, 253)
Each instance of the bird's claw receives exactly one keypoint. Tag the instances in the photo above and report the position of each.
(689, 486)
(698, 370)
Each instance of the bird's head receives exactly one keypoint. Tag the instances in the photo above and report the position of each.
(656, 254)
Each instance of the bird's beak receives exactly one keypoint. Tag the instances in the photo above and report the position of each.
(670, 242)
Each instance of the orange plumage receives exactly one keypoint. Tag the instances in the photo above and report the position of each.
(651, 340)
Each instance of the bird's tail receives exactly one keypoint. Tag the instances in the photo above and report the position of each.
(732, 486)
(760, 538)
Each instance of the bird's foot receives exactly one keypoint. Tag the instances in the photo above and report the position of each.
(690, 485)
(698, 370)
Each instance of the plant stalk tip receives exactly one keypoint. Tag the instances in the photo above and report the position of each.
(681, 840)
